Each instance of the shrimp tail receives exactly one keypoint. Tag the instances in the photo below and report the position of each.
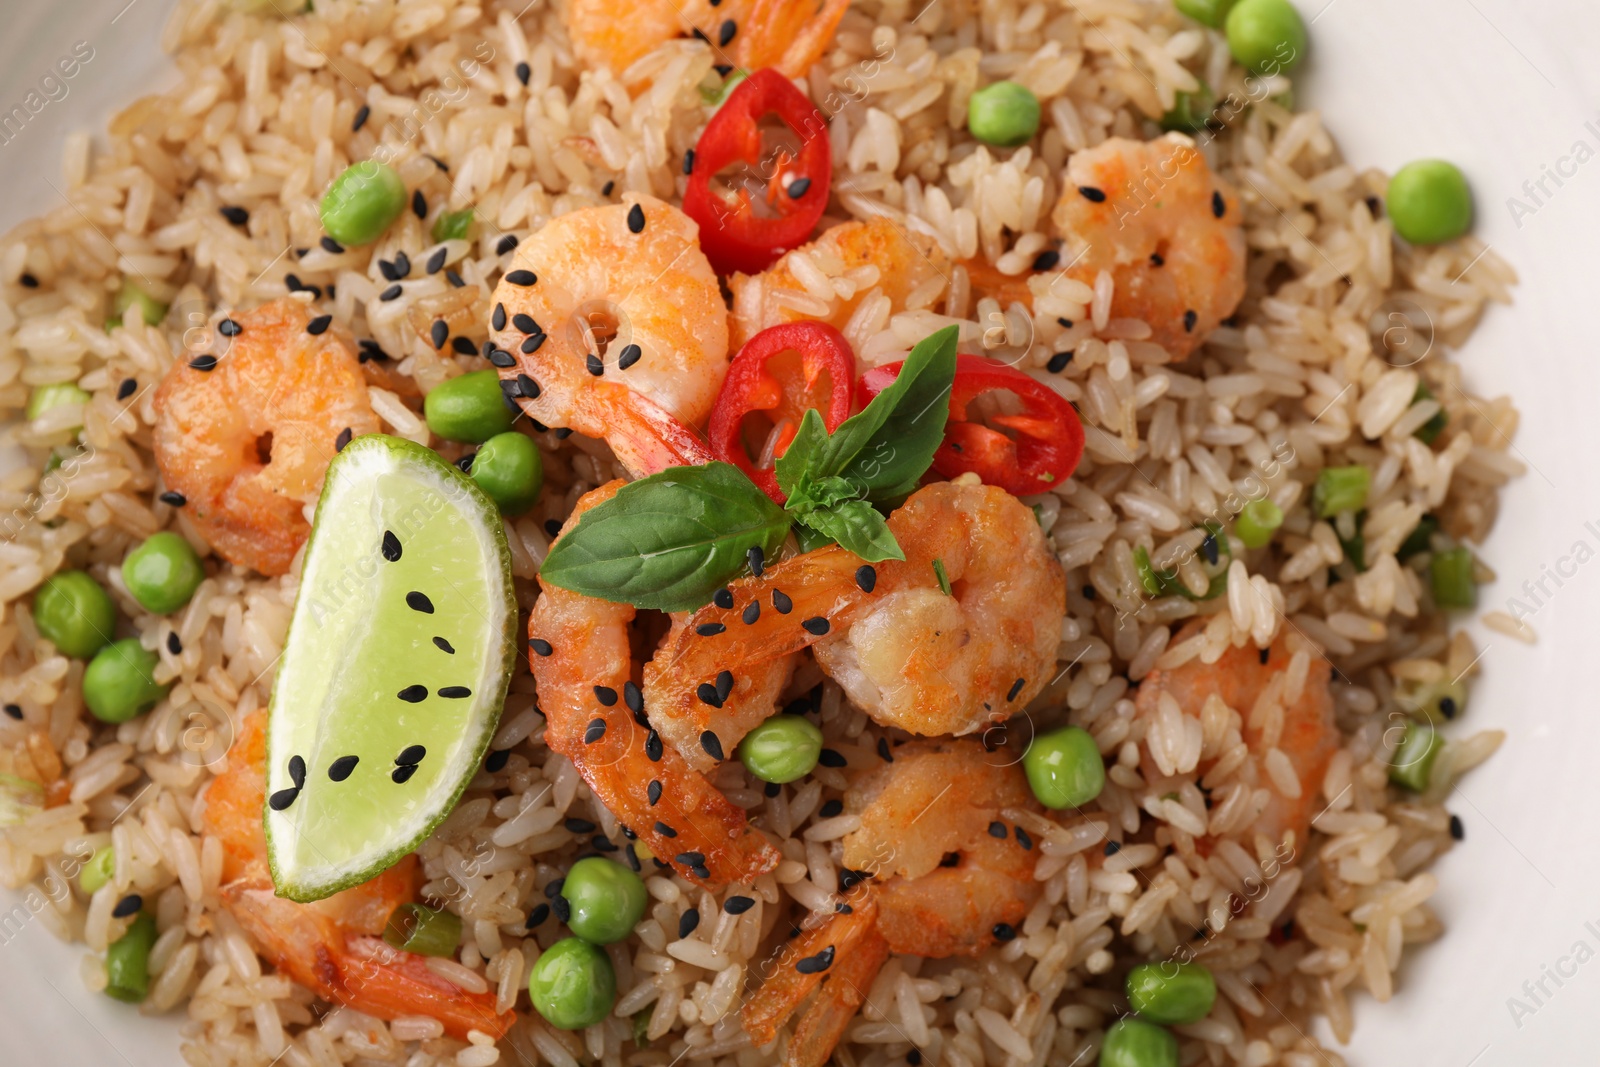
(822, 1026)
(789, 34)
(838, 940)
(646, 438)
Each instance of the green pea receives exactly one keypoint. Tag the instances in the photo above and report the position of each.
(1208, 12)
(362, 202)
(1005, 114)
(132, 294)
(128, 961)
(1135, 1043)
(1266, 36)
(1171, 993)
(1257, 522)
(1429, 202)
(508, 467)
(99, 871)
(573, 984)
(120, 681)
(607, 900)
(1064, 768)
(163, 573)
(60, 394)
(781, 749)
(75, 613)
(452, 225)
(1191, 111)
(469, 408)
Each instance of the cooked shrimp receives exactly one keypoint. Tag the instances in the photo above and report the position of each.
(331, 947)
(1258, 723)
(582, 660)
(1166, 228)
(875, 256)
(247, 441)
(787, 34)
(905, 652)
(616, 332)
(944, 883)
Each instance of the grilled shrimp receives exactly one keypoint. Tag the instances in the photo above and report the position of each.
(331, 947)
(1266, 715)
(787, 34)
(875, 256)
(938, 801)
(246, 437)
(582, 660)
(610, 322)
(1167, 230)
(906, 652)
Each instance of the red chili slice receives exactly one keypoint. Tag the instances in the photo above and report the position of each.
(733, 235)
(1048, 441)
(760, 378)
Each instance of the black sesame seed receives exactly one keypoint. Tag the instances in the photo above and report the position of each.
(530, 388)
(444, 646)
(1113, 847)
(751, 612)
(229, 328)
(413, 694)
(690, 859)
(1447, 707)
(831, 808)
(632, 696)
(409, 755)
(950, 859)
(602, 843)
(781, 601)
(330, 245)
(816, 964)
(687, 922)
(501, 358)
(297, 771)
(1023, 839)
(595, 731)
(282, 799)
(127, 388)
(402, 774)
(605, 190)
(204, 363)
(712, 744)
(724, 684)
(537, 916)
(506, 244)
(464, 346)
(726, 31)
(1263, 655)
(15, 711)
(128, 905)
(636, 219)
(756, 560)
(563, 433)
(386, 268)
(1156, 260)
(1219, 206)
(1004, 932)
(628, 356)
(866, 578)
(738, 905)
(709, 629)
(524, 72)
(652, 746)
(523, 322)
(28, 281)
(391, 293)
(798, 188)
(510, 388)
(236, 215)
(653, 793)
(362, 114)
(498, 318)
(883, 750)
(595, 364)
(1016, 687)
(1089, 592)
(562, 908)
(723, 598)
(174, 643)
(688, 162)
(1208, 548)
(552, 527)
(1457, 829)
(1046, 260)
(700, 871)
(1091, 194)
(578, 826)
(708, 694)
(1189, 319)
(1058, 362)
(435, 262)
(523, 278)
(540, 646)
(829, 758)
(606, 695)
(455, 692)
(497, 761)
(914, 1058)
(319, 324)
(662, 828)
(998, 829)
(772, 789)
(341, 768)
(174, 498)
(552, 888)
(440, 333)
(815, 625)
(419, 602)
(629, 834)
(700, 35)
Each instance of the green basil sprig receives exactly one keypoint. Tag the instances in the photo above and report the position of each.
(667, 542)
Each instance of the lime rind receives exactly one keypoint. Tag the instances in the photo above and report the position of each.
(355, 642)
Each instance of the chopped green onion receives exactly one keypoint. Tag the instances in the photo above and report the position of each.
(641, 1025)
(939, 573)
(98, 871)
(1038, 515)
(1429, 431)
(715, 98)
(423, 930)
(1352, 540)
(453, 225)
(1190, 111)
(1167, 583)
(1257, 522)
(19, 798)
(48, 397)
(128, 961)
(132, 293)
(1340, 489)
(1438, 702)
(1411, 767)
(1419, 539)
(1453, 583)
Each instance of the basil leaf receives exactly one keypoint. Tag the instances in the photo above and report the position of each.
(668, 541)
(801, 456)
(886, 447)
(858, 528)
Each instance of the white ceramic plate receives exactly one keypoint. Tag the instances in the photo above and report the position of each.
(1505, 89)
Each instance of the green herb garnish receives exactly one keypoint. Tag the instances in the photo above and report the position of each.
(943, 578)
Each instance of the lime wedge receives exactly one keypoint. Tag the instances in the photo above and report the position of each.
(399, 653)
